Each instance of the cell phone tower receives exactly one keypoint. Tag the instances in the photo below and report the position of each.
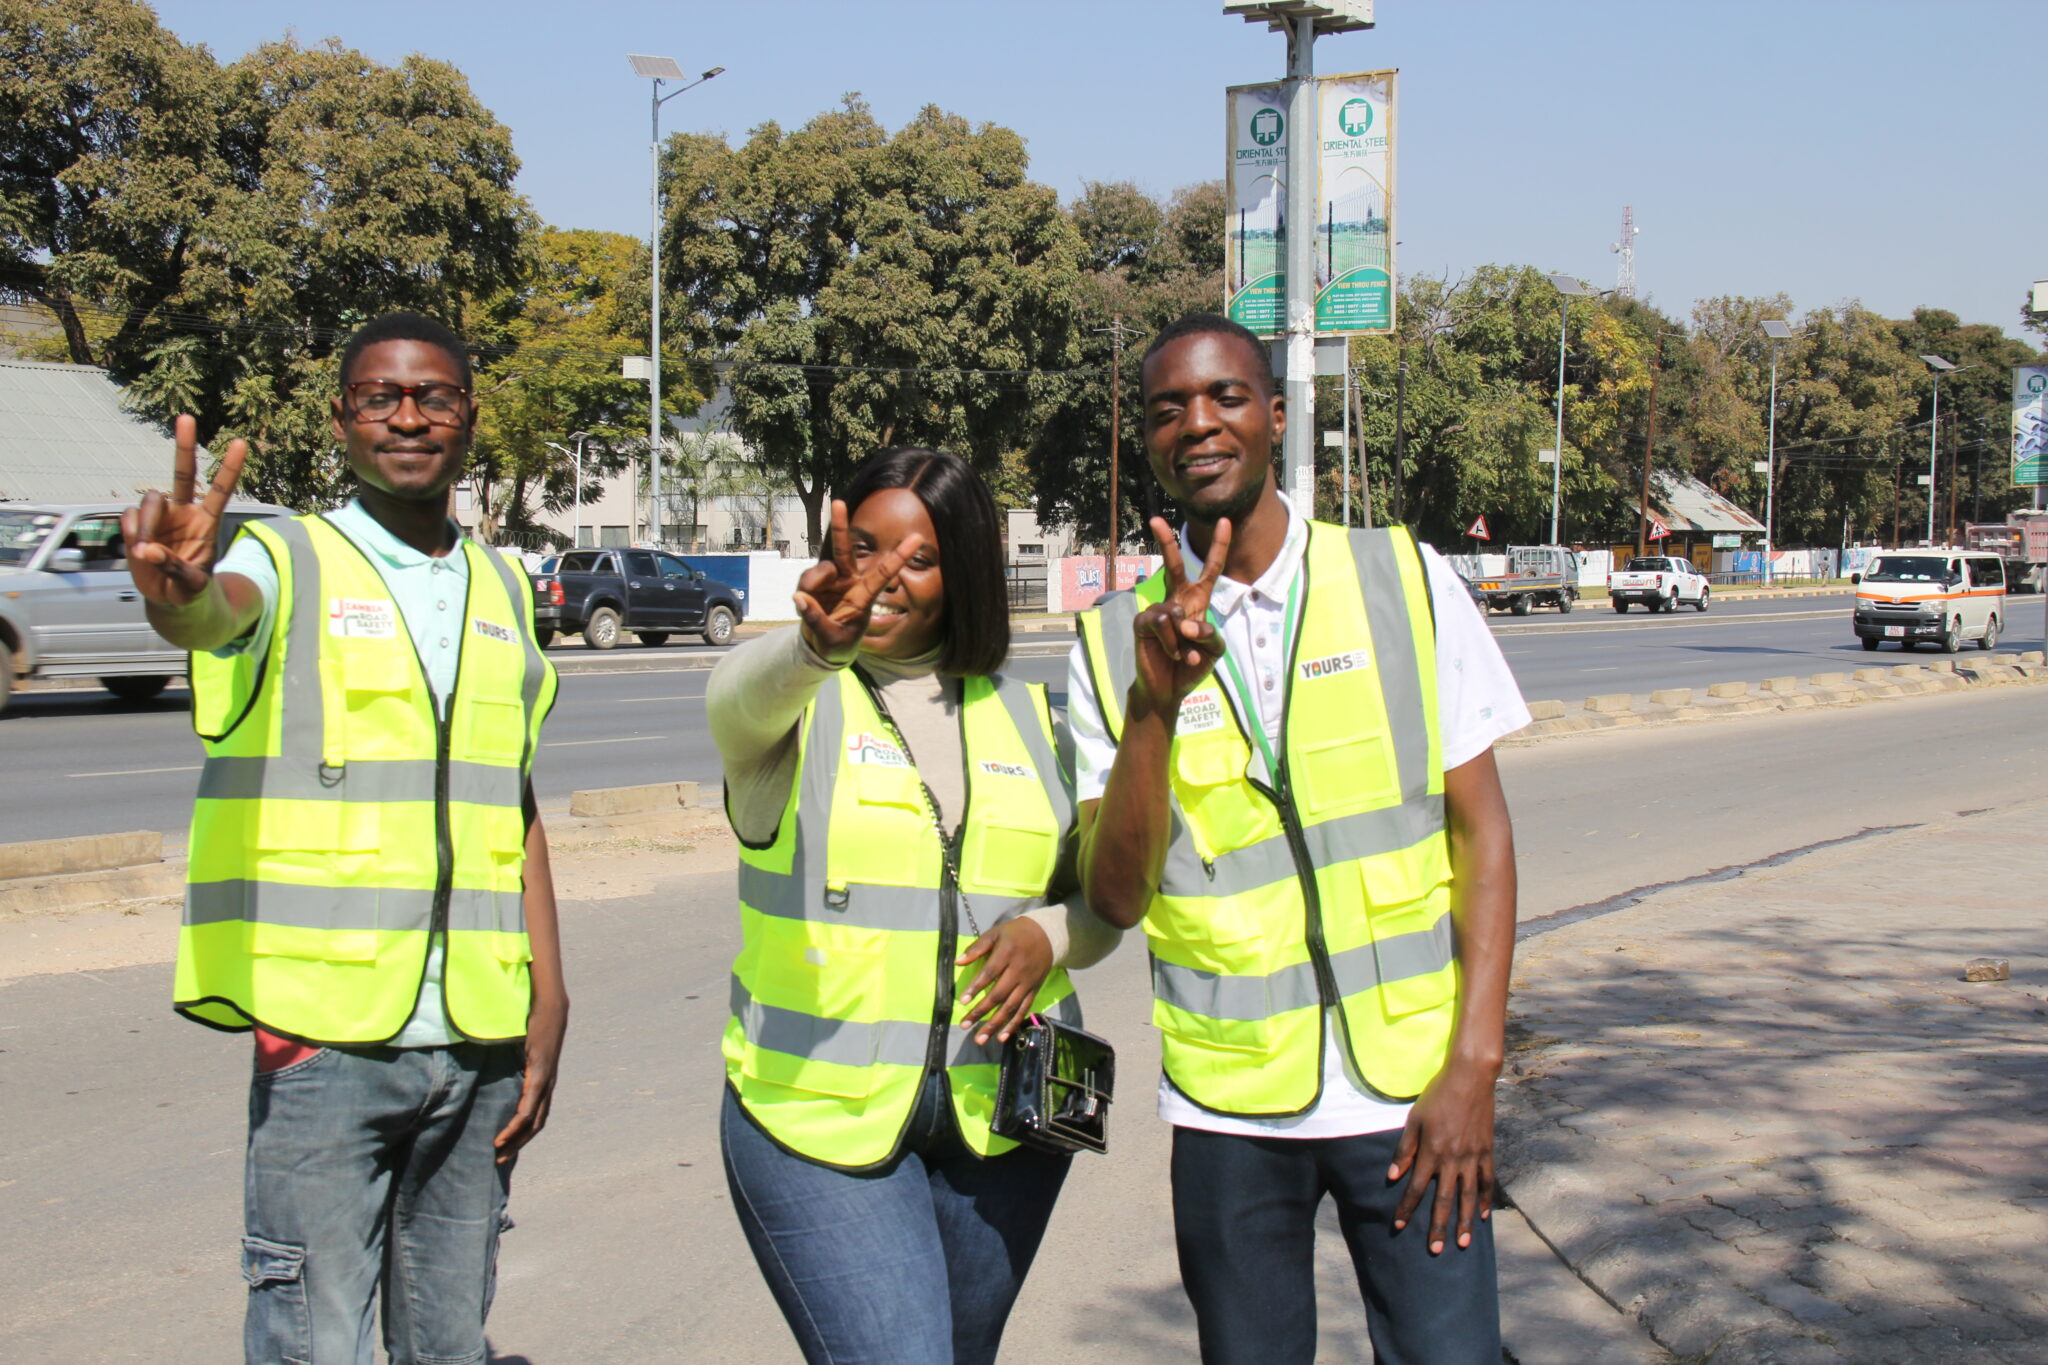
(1625, 275)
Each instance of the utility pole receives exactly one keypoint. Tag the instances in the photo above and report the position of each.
(1400, 432)
(1649, 449)
(1116, 426)
(1302, 21)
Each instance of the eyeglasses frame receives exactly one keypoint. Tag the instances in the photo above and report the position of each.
(412, 391)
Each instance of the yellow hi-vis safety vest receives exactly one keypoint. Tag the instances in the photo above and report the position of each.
(342, 823)
(845, 996)
(1326, 887)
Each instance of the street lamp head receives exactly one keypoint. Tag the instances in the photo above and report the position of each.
(1572, 286)
(655, 68)
(579, 435)
(1937, 363)
(1776, 330)
(716, 70)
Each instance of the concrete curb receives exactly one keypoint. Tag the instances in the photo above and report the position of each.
(641, 800)
(1612, 711)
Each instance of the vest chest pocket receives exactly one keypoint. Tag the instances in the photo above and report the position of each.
(1356, 772)
(381, 699)
(490, 730)
(1008, 857)
(826, 976)
(1215, 797)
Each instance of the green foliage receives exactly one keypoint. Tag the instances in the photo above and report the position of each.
(869, 290)
(298, 192)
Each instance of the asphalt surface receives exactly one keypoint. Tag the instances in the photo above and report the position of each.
(121, 1128)
(81, 762)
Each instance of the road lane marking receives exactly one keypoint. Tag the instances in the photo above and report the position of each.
(138, 772)
(622, 739)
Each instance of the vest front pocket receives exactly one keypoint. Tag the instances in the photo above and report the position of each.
(1352, 773)
(1015, 860)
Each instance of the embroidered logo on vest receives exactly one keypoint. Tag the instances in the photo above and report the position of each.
(870, 748)
(989, 765)
(491, 629)
(1311, 669)
(358, 618)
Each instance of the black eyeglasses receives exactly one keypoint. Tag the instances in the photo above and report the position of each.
(443, 405)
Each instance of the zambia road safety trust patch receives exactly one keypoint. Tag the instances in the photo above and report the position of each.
(1349, 661)
(361, 618)
(865, 747)
(491, 629)
(1200, 712)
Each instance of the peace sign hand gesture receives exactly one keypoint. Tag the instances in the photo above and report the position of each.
(1177, 645)
(172, 541)
(835, 596)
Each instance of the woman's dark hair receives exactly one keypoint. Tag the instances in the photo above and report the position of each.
(975, 621)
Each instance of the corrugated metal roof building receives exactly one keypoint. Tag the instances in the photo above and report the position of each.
(1685, 504)
(65, 437)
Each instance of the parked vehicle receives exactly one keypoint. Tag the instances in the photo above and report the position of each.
(68, 608)
(1537, 576)
(1660, 583)
(604, 593)
(2021, 540)
(1942, 594)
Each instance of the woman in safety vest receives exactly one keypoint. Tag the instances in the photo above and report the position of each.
(907, 899)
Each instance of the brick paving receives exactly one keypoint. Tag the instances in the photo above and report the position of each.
(1767, 1116)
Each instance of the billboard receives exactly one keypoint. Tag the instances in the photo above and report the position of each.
(1355, 204)
(1354, 230)
(2030, 426)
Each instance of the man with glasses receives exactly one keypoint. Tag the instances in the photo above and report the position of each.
(369, 889)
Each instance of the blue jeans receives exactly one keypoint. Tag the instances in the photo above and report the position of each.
(1244, 1216)
(917, 1262)
(372, 1166)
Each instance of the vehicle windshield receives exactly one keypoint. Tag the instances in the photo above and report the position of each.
(22, 533)
(1642, 565)
(1908, 569)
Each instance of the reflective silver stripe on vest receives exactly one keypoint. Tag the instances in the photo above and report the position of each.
(1363, 968)
(291, 905)
(1117, 613)
(890, 1042)
(302, 736)
(244, 778)
(1017, 699)
(867, 906)
(1377, 554)
(519, 592)
(1336, 840)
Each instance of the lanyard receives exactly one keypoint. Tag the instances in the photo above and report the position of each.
(1248, 700)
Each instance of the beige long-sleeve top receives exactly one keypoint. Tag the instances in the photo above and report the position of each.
(756, 697)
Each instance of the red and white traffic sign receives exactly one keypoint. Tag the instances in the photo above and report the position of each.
(1658, 530)
(1477, 530)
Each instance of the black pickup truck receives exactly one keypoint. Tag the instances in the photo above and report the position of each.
(602, 593)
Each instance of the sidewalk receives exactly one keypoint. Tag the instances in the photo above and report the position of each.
(1767, 1116)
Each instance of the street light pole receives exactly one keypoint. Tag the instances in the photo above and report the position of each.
(658, 69)
(1779, 332)
(1568, 287)
(576, 515)
(1940, 367)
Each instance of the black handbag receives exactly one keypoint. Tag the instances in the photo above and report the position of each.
(1054, 1089)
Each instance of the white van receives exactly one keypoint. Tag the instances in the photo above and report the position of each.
(1936, 593)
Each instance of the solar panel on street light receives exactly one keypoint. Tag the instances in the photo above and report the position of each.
(1776, 330)
(1937, 362)
(656, 68)
(1572, 285)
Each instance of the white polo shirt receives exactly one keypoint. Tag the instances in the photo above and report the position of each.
(1477, 703)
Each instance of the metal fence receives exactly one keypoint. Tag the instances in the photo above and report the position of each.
(1026, 582)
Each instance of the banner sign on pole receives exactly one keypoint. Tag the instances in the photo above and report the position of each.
(1255, 198)
(1477, 530)
(1354, 230)
(2029, 426)
(1355, 205)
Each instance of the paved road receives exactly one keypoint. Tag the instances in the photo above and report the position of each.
(121, 1128)
(107, 765)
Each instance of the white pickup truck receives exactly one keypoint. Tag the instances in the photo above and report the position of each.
(1659, 582)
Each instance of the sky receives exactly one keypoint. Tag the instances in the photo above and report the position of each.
(1828, 150)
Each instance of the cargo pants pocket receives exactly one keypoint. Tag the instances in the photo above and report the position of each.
(279, 1325)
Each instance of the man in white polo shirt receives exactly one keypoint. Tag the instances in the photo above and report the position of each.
(1286, 775)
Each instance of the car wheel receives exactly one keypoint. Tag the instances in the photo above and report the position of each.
(136, 687)
(6, 675)
(653, 639)
(543, 637)
(1565, 601)
(1990, 639)
(1520, 606)
(1620, 607)
(1952, 638)
(1869, 645)
(1701, 605)
(718, 626)
(601, 631)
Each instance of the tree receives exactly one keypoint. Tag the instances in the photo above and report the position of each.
(230, 225)
(869, 290)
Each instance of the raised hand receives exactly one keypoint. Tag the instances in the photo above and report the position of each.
(1177, 644)
(171, 542)
(835, 596)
